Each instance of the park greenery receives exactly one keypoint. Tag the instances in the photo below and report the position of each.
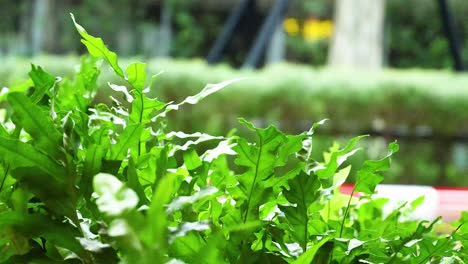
(424, 109)
(86, 182)
(414, 36)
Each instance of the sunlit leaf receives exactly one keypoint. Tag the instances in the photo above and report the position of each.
(123, 89)
(337, 158)
(194, 99)
(368, 176)
(36, 123)
(113, 198)
(181, 201)
(191, 159)
(42, 80)
(308, 256)
(302, 193)
(136, 75)
(129, 138)
(97, 48)
(260, 159)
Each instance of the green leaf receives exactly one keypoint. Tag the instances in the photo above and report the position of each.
(181, 201)
(158, 218)
(97, 48)
(129, 138)
(191, 159)
(368, 176)
(89, 73)
(144, 108)
(272, 150)
(58, 193)
(199, 138)
(92, 166)
(123, 89)
(209, 89)
(42, 80)
(136, 75)
(3, 132)
(113, 197)
(304, 190)
(31, 226)
(19, 154)
(337, 158)
(194, 99)
(37, 124)
(188, 248)
(309, 255)
(134, 182)
(224, 147)
(19, 87)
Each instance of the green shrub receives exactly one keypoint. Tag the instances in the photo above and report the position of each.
(390, 102)
(84, 183)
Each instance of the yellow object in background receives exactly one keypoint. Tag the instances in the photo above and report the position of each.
(312, 30)
(317, 29)
(291, 26)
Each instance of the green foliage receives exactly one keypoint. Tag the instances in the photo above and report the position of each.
(288, 96)
(92, 183)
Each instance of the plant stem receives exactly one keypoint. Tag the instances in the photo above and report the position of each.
(7, 168)
(255, 179)
(346, 211)
(443, 245)
(141, 119)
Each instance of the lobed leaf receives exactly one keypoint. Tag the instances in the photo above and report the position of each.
(37, 124)
(309, 255)
(113, 198)
(368, 176)
(272, 150)
(337, 158)
(194, 99)
(144, 108)
(42, 80)
(129, 138)
(19, 154)
(97, 48)
(136, 75)
(303, 191)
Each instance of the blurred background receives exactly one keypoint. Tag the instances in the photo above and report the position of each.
(393, 69)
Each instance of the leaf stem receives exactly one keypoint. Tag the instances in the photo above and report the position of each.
(255, 180)
(346, 211)
(7, 168)
(443, 244)
(141, 120)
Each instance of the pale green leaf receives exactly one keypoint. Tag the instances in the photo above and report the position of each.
(308, 256)
(113, 198)
(337, 158)
(136, 75)
(191, 159)
(129, 138)
(42, 80)
(194, 99)
(97, 48)
(368, 176)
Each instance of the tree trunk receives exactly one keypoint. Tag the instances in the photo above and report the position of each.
(165, 33)
(43, 27)
(358, 35)
(276, 47)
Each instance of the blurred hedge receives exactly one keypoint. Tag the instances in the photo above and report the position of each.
(410, 100)
(428, 104)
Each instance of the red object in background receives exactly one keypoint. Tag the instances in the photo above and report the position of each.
(447, 202)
